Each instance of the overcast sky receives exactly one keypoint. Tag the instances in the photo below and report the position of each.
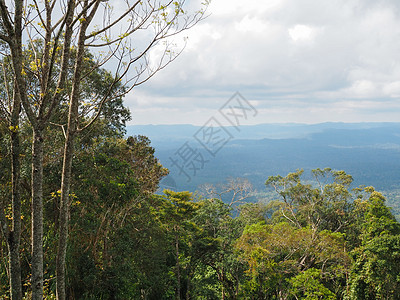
(306, 61)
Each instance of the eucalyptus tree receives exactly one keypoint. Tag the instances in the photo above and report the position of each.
(123, 38)
(10, 110)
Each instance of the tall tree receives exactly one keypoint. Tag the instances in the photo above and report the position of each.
(122, 38)
(178, 210)
(375, 271)
(10, 119)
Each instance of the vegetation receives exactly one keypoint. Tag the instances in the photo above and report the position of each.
(318, 240)
(79, 213)
(53, 58)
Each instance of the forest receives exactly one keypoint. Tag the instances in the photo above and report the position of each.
(81, 215)
(319, 240)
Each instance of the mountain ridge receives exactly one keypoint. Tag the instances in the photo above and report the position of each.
(370, 152)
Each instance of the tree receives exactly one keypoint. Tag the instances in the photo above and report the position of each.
(302, 236)
(374, 274)
(177, 212)
(307, 285)
(106, 199)
(234, 191)
(12, 235)
(324, 205)
(115, 239)
(65, 31)
(214, 259)
(276, 254)
(10, 119)
(148, 170)
(329, 224)
(375, 270)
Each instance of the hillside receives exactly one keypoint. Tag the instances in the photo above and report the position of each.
(368, 151)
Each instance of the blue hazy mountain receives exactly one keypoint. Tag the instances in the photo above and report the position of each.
(167, 134)
(368, 151)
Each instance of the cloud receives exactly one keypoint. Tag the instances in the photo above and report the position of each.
(302, 33)
(294, 58)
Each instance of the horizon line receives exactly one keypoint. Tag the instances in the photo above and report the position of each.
(273, 123)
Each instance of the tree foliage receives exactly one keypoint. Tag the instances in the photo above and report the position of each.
(54, 56)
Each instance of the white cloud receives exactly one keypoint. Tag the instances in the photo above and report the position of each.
(295, 58)
(392, 89)
(228, 8)
(251, 25)
(301, 32)
(363, 89)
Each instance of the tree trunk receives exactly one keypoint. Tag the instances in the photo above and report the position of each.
(178, 272)
(223, 283)
(15, 267)
(73, 115)
(188, 283)
(14, 236)
(37, 215)
(64, 215)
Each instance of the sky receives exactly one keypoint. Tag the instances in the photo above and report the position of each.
(303, 61)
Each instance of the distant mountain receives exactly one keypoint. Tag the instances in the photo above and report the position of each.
(195, 155)
(260, 131)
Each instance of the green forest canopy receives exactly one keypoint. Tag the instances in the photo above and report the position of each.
(324, 241)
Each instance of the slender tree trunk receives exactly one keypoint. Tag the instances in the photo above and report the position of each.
(15, 235)
(178, 271)
(64, 201)
(37, 215)
(15, 267)
(12, 235)
(14, 40)
(221, 279)
(188, 284)
(64, 215)
(73, 115)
